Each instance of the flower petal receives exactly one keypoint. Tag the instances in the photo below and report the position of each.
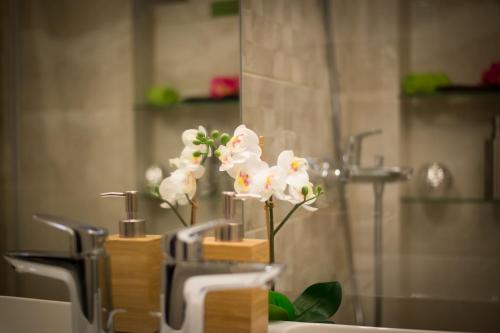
(188, 136)
(309, 208)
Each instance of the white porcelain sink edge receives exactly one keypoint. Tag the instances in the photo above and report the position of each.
(295, 327)
(22, 315)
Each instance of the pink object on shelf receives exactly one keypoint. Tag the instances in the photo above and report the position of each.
(491, 76)
(223, 86)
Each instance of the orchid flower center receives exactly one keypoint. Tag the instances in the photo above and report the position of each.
(243, 179)
(268, 183)
(235, 141)
(295, 165)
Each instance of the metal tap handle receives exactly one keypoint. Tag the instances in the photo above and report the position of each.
(85, 239)
(362, 135)
(186, 244)
(353, 154)
(131, 203)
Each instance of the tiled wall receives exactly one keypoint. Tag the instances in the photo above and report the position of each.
(376, 43)
(366, 42)
(286, 99)
(76, 130)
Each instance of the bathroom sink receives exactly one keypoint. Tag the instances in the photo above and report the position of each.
(22, 315)
(294, 327)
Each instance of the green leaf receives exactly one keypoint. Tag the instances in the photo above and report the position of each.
(280, 300)
(277, 313)
(318, 302)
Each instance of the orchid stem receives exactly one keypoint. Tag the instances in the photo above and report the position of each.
(176, 213)
(290, 213)
(270, 206)
(286, 219)
(194, 206)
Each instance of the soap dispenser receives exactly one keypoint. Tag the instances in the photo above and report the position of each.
(238, 311)
(135, 269)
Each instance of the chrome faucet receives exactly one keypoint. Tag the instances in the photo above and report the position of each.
(84, 267)
(187, 278)
(352, 157)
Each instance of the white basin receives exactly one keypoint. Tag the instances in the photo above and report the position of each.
(23, 315)
(294, 327)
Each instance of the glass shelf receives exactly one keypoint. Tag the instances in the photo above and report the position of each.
(459, 96)
(193, 104)
(450, 200)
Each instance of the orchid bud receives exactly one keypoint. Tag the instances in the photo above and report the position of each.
(319, 190)
(197, 153)
(305, 191)
(215, 134)
(200, 135)
(217, 153)
(210, 142)
(197, 142)
(224, 138)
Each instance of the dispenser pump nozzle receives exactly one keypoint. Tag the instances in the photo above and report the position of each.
(233, 232)
(131, 226)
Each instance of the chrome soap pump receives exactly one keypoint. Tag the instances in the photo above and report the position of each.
(131, 226)
(233, 231)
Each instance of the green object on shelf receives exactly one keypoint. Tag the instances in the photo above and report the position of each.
(162, 96)
(225, 8)
(424, 83)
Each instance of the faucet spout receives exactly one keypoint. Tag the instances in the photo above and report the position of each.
(84, 267)
(187, 278)
(197, 287)
(85, 305)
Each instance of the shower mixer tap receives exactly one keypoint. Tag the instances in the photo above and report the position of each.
(352, 157)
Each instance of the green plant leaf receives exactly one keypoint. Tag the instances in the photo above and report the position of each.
(280, 300)
(318, 302)
(277, 313)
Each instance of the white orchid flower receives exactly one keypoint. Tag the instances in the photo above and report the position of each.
(244, 174)
(270, 181)
(188, 136)
(244, 140)
(243, 146)
(229, 160)
(181, 183)
(175, 162)
(296, 168)
(154, 175)
(188, 161)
